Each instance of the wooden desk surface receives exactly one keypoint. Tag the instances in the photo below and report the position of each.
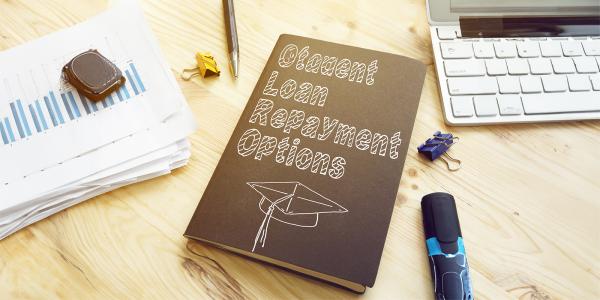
(528, 195)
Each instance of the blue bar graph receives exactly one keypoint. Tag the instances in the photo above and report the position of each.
(50, 111)
(9, 129)
(56, 108)
(135, 90)
(23, 118)
(34, 117)
(73, 104)
(125, 91)
(118, 92)
(137, 77)
(87, 101)
(40, 114)
(3, 133)
(69, 112)
(38, 108)
(104, 103)
(86, 106)
(13, 108)
(94, 105)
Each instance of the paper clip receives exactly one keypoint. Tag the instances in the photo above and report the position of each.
(438, 146)
(205, 66)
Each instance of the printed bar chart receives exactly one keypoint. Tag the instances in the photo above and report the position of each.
(4, 134)
(35, 119)
(9, 130)
(61, 107)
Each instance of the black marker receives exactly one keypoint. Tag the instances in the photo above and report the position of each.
(446, 251)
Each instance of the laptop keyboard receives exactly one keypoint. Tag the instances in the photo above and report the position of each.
(505, 80)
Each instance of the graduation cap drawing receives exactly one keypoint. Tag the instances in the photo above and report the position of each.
(291, 203)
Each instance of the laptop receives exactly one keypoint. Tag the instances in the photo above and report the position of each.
(516, 61)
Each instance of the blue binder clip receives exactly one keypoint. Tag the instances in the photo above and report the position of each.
(437, 146)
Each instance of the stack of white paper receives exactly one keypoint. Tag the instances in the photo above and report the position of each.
(57, 148)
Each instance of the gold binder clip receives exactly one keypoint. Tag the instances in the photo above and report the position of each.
(206, 66)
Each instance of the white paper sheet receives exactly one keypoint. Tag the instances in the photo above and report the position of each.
(33, 97)
(137, 134)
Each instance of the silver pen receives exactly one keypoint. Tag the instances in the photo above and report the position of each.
(232, 38)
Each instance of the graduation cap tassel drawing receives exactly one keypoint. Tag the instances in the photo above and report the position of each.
(290, 203)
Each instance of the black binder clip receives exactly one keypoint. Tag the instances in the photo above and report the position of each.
(437, 146)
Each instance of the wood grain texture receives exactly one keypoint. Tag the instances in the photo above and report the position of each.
(527, 195)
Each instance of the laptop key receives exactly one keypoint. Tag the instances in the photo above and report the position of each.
(563, 65)
(517, 66)
(464, 67)
(505, 49)
(554, 83)
(531, 84)
(509, 85)
(528, 49)
(462, 106)
(550, 49)
(495, 67)
(585, 64)
(595, 79)
(591, 48)
(510, 105)
(456, 50)
(572, 48)
(446, 33)
(483, 50)
(472, 86)
(540, 66)
(485, 106)
(560, 103)
(578, 83)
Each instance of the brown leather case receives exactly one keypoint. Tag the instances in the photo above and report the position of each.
(93, 75)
